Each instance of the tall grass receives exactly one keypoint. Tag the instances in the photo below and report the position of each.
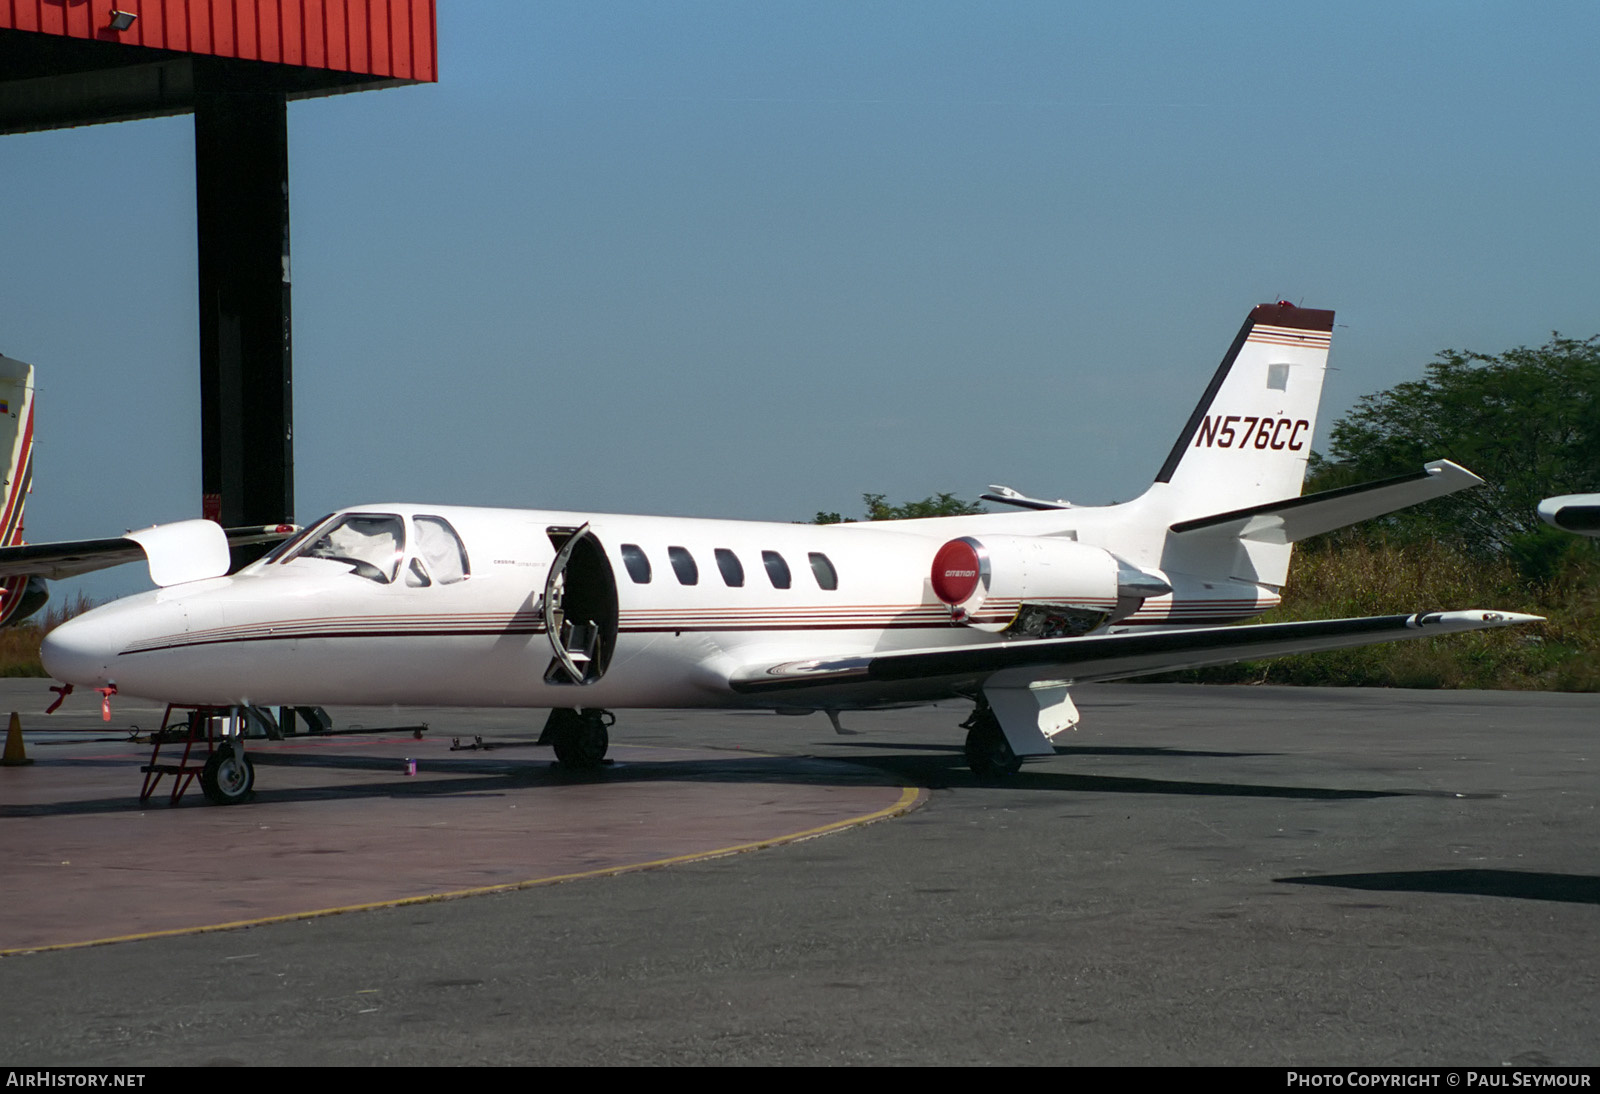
(1364, 578)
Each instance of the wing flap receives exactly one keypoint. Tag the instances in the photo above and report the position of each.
(1100, 657)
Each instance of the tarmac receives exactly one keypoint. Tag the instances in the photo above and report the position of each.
(358, 820)
(1276, 876)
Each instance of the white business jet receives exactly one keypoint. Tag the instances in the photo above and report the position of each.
(584, 613)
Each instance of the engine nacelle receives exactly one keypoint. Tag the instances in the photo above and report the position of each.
(1038, 586)
(987, 582)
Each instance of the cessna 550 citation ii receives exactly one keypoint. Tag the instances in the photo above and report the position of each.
(584, 613)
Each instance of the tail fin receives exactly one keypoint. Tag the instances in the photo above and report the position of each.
(16, 442)
(1232, 485)
(1249, 438)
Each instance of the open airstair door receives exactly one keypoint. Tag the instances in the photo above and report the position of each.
(580, 607)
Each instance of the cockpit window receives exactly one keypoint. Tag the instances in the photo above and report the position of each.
(371, 543)
(442, 550)
(283, 547)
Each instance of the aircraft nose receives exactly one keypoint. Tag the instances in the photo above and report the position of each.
(80, 651)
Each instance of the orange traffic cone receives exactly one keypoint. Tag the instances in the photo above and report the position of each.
(15, 754)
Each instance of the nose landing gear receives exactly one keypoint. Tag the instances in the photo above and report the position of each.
(579, 737)
(228, 777)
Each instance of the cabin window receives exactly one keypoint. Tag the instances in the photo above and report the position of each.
(638, 565)
(371, 543)
(440, 548)
(417, 575)
(732, 569)
(683, 565)
(823, 571)
(777, 569)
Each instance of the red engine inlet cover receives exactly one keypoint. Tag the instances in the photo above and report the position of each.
(955, 572)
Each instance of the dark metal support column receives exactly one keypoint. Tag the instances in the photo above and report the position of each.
(242, 189)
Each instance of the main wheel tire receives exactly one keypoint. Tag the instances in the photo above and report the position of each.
(228, 778)
(988, 752)
(581, 743)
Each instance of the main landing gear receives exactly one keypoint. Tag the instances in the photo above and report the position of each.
(579, 737)
(989, 754)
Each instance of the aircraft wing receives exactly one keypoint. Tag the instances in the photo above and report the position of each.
(71, 558)
(962, 669)
(1294, 519)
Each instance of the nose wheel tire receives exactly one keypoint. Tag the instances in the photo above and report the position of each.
(228, 778)
(988, 752)
(580, 738)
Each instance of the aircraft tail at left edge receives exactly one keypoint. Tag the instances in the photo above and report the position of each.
(20, 596)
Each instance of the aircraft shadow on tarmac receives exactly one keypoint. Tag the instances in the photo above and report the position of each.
(942, 763)
(1074, 750)
(952, 771)
(940, 768)
(1525, 884)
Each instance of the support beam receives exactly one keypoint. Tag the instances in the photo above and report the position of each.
(242, 194)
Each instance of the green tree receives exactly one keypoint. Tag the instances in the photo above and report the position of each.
(940, 505)
(1527, 421)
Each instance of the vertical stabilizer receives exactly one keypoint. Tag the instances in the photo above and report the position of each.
(16, 441)
(1249, 438)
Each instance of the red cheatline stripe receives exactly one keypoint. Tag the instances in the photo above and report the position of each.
(14, 496)
(1299, 335)
(659, 620)
(11, 536)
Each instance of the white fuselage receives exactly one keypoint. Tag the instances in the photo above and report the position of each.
(294, 629)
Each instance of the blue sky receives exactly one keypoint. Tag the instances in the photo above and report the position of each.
(752, 260)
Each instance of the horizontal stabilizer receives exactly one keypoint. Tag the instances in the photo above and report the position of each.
(1295, 519)
(1004, 495)
(1104, 657)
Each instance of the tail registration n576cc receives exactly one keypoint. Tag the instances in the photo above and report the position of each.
(1244, 431)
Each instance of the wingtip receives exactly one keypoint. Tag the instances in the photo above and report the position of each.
(1454, 470)
(1473, 619)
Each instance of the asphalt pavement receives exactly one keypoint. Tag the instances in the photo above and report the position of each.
(1199, 876)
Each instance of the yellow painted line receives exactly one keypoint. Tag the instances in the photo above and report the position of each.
(910, 798)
